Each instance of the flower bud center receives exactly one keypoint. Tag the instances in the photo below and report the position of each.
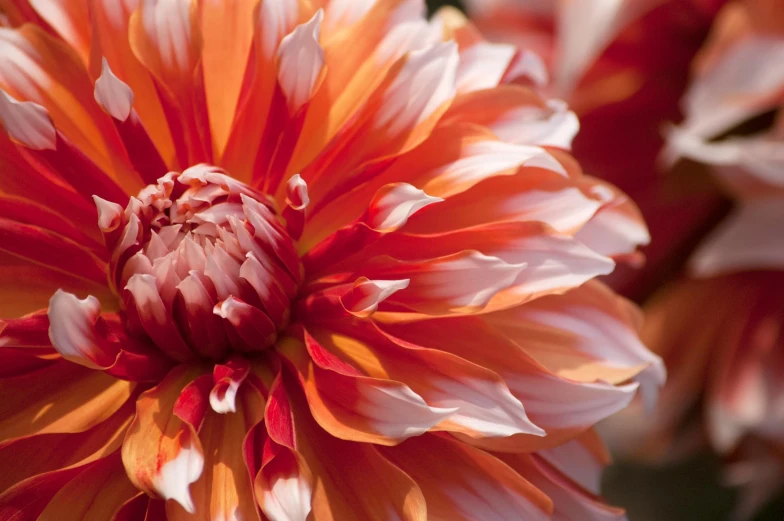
(203, 265)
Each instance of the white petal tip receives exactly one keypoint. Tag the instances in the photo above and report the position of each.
(112, 94)
(394, 204)
(27, 123)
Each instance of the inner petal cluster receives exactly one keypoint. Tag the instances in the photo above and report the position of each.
(202, 264)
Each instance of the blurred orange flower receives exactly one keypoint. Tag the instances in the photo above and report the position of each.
(354, 281)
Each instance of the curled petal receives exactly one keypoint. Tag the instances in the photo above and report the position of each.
(162, 453)
(360, 408)
(227, 380)
(297, 193)
(72, 330)
(461, 283)
(365, 295)
(393, 204)
(284, 486)
(110, 214)
(340, 468)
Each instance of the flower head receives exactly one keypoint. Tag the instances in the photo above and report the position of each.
(302, 260)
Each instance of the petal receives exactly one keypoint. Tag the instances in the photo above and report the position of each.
(227, 30)
(464, 484)
(360, 408)
(162, 454)
(365, 295)
(590, 333)
(284, 487)
(51, 250)
(35, 455)
(747, 240)
(571, 502)
(95, 494)
(70, 19)
(110, 18)
(27, 287)
(582, 459)
(223, 492)
(393, 204)
(227, 378)
(165, 37)
(584, 29)
(72, 330)
(560, 406)
(26, 500)
(27, 123)
(460, 283)
(551, 263)
(59, 398)
(340, 468)
(720, 98)
(482, 66)
(37, 67)
(301, 62)
(112, 94)
(485, 406)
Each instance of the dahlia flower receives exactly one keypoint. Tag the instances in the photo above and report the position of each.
(623, 66)
(719, 329)
(289, 260)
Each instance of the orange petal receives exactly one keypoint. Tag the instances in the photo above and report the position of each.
(360, 408)
(59, 398)
(27, 457)
(562, 407)
(227, 30)
(71, 20)
(485, 406)
(224, 490)
(95, 494)
(340, 468)
(162, 453)
(27, 287)
(461, 483)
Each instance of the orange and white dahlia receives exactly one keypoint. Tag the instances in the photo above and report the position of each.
(303, 260)
(720, 329)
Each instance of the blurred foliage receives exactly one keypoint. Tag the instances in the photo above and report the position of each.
(435, 4)
(687, 491)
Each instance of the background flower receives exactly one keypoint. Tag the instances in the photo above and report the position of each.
(355, 280)
(718, 331)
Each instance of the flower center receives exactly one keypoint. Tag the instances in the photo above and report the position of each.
(202, 264)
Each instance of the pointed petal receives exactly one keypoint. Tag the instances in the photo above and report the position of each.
(301, 62)
(162, 453)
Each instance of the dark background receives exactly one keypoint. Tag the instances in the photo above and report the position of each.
(687, 491)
